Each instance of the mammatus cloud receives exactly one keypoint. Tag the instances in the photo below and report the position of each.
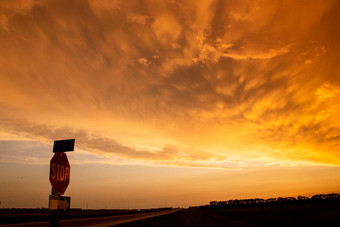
(180, 83)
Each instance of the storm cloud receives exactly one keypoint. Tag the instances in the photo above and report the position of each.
(180, 83)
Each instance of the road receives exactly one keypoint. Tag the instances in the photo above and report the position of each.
(188, 218)
(305, 214)
(99, 221)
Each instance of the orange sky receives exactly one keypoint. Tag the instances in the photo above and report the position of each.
(197, 90)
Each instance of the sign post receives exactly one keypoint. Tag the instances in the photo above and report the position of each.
(60, 178)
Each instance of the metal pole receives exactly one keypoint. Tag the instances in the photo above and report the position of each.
(54, 216)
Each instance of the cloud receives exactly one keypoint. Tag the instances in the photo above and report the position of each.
(19, 6)
(138, 18)
(10, 8)
(102, 147)
(143, 61)
(247, 80)
(28, 152)
(38, 153)
(327, 91)
(271, 53)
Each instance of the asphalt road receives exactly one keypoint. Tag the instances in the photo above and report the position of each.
(188, 218)
(319, 213)
(99, 221)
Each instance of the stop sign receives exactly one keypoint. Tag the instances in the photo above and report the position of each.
(59, 173)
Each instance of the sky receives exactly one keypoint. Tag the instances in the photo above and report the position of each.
(171, 103)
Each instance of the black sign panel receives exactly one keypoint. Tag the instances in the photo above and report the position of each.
(63, 145)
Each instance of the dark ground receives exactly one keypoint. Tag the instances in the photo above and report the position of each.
(313, 213)
(12, 216)
(307, 214)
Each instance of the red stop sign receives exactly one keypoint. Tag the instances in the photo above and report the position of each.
(59, 172)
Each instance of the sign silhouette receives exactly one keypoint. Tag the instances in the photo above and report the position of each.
(63, 145)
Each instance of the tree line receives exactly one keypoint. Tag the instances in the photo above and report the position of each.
(272, 201)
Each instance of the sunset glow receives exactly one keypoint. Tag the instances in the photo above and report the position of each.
(226, 99)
